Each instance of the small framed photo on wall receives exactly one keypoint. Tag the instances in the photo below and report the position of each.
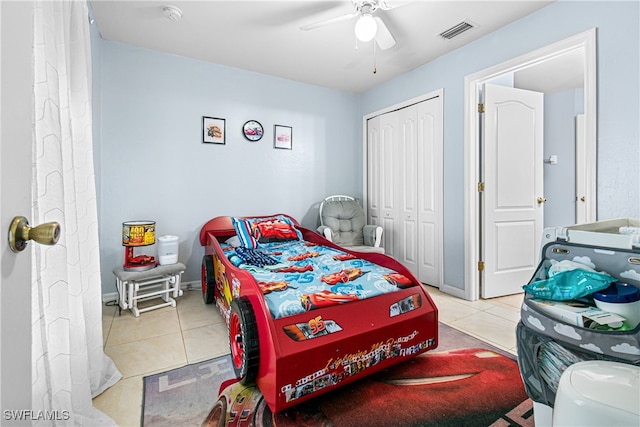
(283, 137)
(213, 130)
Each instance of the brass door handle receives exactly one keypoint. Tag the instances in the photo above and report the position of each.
(20, 233)
(541, 200)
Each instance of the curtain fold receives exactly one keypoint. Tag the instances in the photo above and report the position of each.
(69, 366)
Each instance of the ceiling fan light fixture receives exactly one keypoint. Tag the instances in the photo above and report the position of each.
(366, 27)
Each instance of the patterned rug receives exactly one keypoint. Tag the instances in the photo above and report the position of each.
(464, 382)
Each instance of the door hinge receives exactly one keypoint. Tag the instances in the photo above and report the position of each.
(480, 108)
(480, 187)
(480, 265)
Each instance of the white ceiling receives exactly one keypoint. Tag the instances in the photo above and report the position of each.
(265, 36)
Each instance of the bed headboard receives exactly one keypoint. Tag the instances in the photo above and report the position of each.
(221, 226)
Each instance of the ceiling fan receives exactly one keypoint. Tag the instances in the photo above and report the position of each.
(367, 26)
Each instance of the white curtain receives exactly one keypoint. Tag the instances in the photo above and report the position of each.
(69, 365)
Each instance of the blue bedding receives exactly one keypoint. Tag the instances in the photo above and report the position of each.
(297, 276)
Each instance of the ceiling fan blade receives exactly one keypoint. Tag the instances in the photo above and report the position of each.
(383, 36)
(391, 4)
(328, 21)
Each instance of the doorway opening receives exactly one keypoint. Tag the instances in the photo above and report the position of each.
(583, 43)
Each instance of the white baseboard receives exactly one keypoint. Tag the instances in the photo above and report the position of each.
(111, 296)
(185, 286)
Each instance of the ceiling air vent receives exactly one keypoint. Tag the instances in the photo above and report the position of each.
(456, 30)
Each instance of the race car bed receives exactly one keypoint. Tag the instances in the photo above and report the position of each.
(306, 316)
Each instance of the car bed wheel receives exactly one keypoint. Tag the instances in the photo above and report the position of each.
(243, 340)
(208, 280)
(217, 416)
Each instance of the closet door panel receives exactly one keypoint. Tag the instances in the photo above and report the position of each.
(407, 188)
(430, 177)
(374, 159)
(388, 198)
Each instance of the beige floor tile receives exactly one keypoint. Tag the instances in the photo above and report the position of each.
(510, 300)
(480, 304)
(108, 313)
(196, 315)
(450, 310)
(490, 328)
(206, 342)
(122, 402)
(191, 297)
(505, 312)
(128, 328)
(149, 355)
(432, 290)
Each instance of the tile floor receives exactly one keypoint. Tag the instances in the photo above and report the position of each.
(167, 338)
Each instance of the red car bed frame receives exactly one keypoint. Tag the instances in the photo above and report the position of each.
(295, 358)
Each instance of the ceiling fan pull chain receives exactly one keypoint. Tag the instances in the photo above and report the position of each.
(375, 69)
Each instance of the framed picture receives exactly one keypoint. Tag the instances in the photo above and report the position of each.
(213, 130)
(283, 137)
(252, 130)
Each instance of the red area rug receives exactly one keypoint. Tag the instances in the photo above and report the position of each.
(464, 382)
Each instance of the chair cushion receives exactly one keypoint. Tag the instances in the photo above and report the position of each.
(346, 219)
(365, 248)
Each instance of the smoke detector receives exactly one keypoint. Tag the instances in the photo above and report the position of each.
(172, 13)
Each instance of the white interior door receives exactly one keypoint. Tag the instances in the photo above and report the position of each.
(430, 190)
(513, 213)
(16, 109)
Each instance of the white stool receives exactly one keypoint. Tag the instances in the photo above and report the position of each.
(598, 393)
(162, 282)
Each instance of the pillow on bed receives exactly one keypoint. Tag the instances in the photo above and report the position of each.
(252, 231)
(243, 231)
(233, 241)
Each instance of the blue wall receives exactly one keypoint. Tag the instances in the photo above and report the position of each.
(560, 110)
(618, 45)
(151, 164)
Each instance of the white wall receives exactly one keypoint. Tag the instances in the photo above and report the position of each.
(153, 165)
(618, 44)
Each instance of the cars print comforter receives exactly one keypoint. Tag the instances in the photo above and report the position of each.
(298, 276)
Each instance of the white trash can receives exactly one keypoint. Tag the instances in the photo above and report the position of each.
(167, 250)
(598, 393)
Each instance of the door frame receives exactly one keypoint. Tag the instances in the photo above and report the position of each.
(473, 83)
(439, 93)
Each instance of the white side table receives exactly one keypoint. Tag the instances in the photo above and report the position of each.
(162, 282)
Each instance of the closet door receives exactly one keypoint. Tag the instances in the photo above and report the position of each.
(388, 199)
(406, 183)
(430, 190)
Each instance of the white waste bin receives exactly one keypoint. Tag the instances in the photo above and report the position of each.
(598, 393)
(167, 250)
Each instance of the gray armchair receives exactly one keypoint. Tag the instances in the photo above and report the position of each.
(343, 222)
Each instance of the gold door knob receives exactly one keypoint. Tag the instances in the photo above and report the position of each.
(20, 233)
(582, 199)
(541, 200)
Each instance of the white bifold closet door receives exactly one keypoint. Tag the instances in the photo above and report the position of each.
(404, 175)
